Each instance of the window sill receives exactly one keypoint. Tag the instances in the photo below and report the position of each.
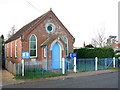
(34, 57)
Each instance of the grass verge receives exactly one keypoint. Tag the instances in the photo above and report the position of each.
(116, 68)
(33, 75)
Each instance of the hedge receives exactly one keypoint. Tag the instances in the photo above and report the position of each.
(94, 52)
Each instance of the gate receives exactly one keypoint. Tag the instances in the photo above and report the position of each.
(105, 63)
(69, 65)
(85, 65)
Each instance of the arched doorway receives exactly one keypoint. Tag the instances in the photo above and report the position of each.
(56, 56)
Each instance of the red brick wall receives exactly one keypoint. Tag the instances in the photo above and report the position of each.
(116, 45)
(14, 59)
(40, 31)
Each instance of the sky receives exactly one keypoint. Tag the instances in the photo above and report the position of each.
(83, 18)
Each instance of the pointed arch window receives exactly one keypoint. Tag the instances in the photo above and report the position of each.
(65, 40)
(33, 46)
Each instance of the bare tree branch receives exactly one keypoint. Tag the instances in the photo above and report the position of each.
(11, 32)
(99, 40)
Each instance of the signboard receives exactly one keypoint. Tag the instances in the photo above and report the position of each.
(72, 55)
(25, 55)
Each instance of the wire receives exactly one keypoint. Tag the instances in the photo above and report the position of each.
(32, 6)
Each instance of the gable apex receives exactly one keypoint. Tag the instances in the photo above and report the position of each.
(30, 25)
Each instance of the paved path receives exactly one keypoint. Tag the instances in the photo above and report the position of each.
(101, 80)
(7, 78)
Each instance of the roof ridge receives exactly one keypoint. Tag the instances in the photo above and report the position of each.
(28, 26)
(39, 18)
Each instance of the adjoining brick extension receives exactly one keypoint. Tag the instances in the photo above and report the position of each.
(37, 27)
(116, 46)
(14, 59)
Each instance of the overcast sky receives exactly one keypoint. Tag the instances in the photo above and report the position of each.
(83, 18)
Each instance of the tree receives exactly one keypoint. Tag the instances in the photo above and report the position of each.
(89, 46)
(94, 42)
(111, 41)
(11, 32)
(99, 40)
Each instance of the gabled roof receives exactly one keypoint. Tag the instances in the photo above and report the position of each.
(48, 40)
(28, 26)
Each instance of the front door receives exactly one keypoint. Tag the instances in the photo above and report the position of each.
(56, 56)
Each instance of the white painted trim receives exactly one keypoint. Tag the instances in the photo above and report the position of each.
(59, 42)
(36, 47)
(53, 27)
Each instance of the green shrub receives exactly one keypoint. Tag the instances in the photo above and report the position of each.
(116, 56)
(94, 52)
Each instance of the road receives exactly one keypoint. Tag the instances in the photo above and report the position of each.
(107, 80)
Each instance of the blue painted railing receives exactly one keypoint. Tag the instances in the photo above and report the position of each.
(89, 64)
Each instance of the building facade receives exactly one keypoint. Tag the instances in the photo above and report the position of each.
(45, 38)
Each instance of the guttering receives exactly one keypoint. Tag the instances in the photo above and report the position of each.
(13, 39)
(46, 59)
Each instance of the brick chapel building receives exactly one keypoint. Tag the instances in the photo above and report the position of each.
(45, 38)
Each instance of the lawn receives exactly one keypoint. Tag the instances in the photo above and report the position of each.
(34, 75)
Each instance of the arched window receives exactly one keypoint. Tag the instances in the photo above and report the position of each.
(33, 46)
(66, 42)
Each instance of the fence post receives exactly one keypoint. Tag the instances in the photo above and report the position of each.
(96, 61)
(63, 66)
(105, 63)
(74, 64)
(22, 67)
(113, 62)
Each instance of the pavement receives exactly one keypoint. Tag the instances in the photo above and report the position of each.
(7, 78)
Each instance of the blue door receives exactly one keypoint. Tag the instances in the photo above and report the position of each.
(56, 56)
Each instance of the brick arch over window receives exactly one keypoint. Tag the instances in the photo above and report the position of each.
(33, 45)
